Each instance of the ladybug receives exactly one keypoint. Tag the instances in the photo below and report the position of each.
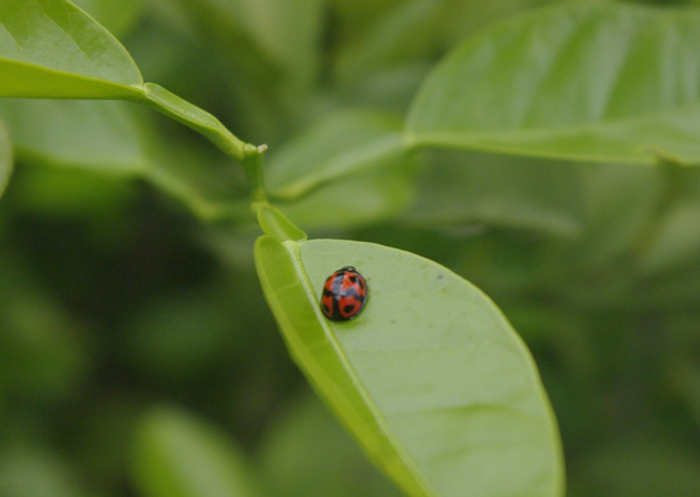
(344, 294)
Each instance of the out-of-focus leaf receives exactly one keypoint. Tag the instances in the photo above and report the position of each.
(404, 33)
(619, 201)
(360, 200)
(43, 354)
(460, 188)
(339, 146)
(413, 33)
(117, 17)
(285, 38)
(29, 472)
(676, 239)
(582, 81)
(100, 136)
(180, 335)
(178, 455)
(104, 137)
(5, 158)
(290, 32)
(356, 15)
(307, 454)
(642, 468)
(430, 377)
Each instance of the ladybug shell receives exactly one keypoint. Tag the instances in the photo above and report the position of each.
(344, 294)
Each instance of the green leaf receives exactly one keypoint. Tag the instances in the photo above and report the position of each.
(177, 455)
(106, 138)
(404, 33)
(338, 146)
(619, 202)
(52, 49)
(100, 136)
(5, 158)
(289, 32)
(674, 242)
(29, 471)
(583, 81)
(498, 190)
(356, 201)
(306, 454)
(199, 120)
(431, 379)
(286, 34)
(117, 17)
(276, 225)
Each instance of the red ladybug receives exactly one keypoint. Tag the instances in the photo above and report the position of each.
(344, 294)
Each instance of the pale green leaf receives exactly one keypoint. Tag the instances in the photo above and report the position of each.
(178, 455)
(51, 48)
(431, 379)
(105, 138)
(101, 136)
(497, 190)
(275, 224)
(340, 145)
(355, 201)
(583, 81)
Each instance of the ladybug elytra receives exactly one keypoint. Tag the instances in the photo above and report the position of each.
(344, 294)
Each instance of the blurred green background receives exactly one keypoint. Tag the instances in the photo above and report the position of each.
(128, 324)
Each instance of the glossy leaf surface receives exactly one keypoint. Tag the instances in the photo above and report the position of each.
(582, 81)
(430, 377)
(51, 48)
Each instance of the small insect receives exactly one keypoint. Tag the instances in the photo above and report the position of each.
(344, 294)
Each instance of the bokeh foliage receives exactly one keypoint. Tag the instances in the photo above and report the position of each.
(124, 319)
